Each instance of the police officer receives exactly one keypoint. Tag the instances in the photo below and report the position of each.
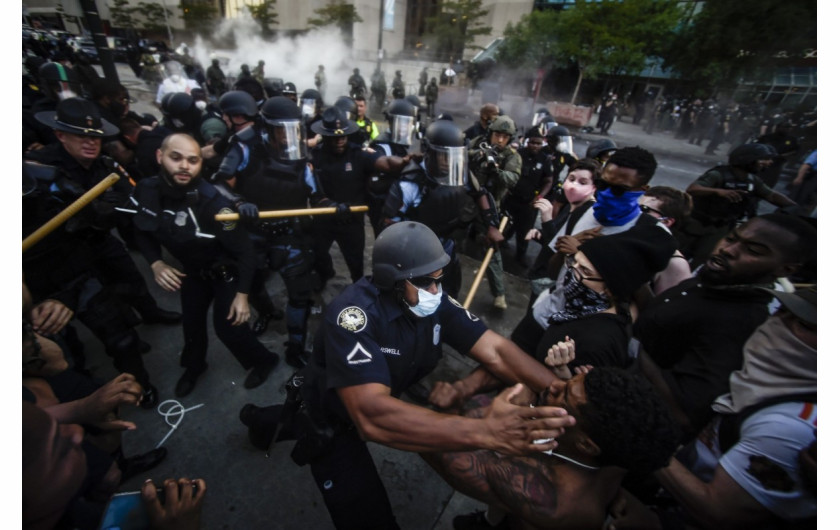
(560, 150)
(534, 183)
(486, 115)
(181, 115)
(55, 83)
(378, 88)
(311, 107)
(725, 195)
(357, 83)
(216, 79)
(601, 150)
(381, 335)
(398, 86)
(395, 141)
(176, 210)
(343, 169)
(284, 181)
(497, 166)
(437, 193)
(368, 131)
(289, 91)
(239, 112)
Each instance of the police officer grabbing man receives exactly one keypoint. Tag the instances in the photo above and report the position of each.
(381, 335)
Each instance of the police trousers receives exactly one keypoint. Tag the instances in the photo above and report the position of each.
(350, 237)
(197, 293)
(351, 487)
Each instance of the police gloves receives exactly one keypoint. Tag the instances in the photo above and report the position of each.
(248, 210)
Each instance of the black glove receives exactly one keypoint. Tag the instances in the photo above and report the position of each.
(343, 213)
(248, 210)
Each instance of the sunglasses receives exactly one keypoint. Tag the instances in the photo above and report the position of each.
(424, 282)
(571, 264)
(648, 209)
(618, 191)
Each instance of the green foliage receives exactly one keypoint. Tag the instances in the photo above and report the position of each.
(598, 37)
(265, 16)
(729, 40)
(152, 17)
(340, 14)
(122, 14)
(198, 16)
(455, 27)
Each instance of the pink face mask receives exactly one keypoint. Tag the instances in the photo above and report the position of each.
(576, 192)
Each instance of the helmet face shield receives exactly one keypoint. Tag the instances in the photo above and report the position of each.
(546, 126)
(538, 117)
(402, 128)
(307, 107)
(564, 144)
(447, 165)
(286, 140)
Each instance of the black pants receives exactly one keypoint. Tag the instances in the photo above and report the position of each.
(118, 271)
(350, 237)
(196, 296)
(351, 487)
(528, 334)
(524, 216)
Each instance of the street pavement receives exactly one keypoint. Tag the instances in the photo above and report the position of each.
(248, 488)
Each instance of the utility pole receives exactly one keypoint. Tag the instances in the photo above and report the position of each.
(168, 29)
(94, 23)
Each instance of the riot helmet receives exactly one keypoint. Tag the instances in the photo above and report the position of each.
(415, 101)
(310, 103)
(503, 124)
(401, 120)
(282, 121)
(273, 86)
(180, 112)
(539, 115)
(444, 154)
(560, 139)
(546, 124)
(251, 86)
(745, 156)
(58, 81)
(348, 105)
(404, 251)
(601, 150)
(238, 103)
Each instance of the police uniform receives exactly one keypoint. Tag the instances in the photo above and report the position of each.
(343, 179)
(368, 337)
(536, 175)
(368, 131)
(380, 183)
(445, 209)
(217, 267)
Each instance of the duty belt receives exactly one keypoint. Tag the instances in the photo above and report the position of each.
(226, 273)
(277, 228)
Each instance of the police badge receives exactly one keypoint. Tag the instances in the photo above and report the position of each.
(352, 319)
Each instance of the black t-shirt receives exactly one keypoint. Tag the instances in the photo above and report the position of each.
(600, 340)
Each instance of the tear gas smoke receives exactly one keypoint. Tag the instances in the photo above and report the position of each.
(293, 59)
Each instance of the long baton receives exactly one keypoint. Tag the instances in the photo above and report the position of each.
(290, 213)
(483, 268)
(70, 211)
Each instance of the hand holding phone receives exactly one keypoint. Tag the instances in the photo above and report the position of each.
(181, 505)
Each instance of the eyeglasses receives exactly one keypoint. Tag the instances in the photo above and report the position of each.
(424, 282)
(571, 264)
(618, 191)
(648, 209)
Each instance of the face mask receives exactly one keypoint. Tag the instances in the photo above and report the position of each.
(616, 210)
(201, 105)
(580, 300)
(175, 78)
(576, 193)
(427, 303)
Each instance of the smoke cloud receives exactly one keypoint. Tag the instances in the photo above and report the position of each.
(294, 59)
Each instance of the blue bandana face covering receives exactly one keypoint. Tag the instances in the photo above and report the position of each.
(614, 210)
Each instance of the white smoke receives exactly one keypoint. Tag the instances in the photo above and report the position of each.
(294, 59)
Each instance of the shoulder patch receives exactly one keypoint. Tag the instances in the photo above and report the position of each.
(467, 311)
(352, 319)
(228, 225)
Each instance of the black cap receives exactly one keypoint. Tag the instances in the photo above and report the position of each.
(77, 116)
(289, 88)
(334, 122)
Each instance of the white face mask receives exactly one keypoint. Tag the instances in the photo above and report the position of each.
(201, 105)
(427, 302)
(175, 78)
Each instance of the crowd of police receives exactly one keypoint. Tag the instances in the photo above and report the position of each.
(220, 180)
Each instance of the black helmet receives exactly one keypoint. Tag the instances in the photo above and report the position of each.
(539, 115)
(289, 89)
(179, 111)
(310, 102)
(56, 79)
(560, 139)
(404, 251)
(334, 122)
(238, 103)
(401, 119)
(251, 86)
(273, 86)
(414, 100)
(282, 117)
(558, 131)
(745, 155)
(599, 148)
(444, 153)
(348, 105)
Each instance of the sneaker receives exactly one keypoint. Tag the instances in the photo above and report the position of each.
(260, 372)
(499, 302)
(476, 521)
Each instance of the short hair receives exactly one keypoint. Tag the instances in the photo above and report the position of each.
(589, 164)
(676, 204)
(804, 247)
(636, 158)
(129, 127)
(358, 96)
(168, 140)
(628, 421)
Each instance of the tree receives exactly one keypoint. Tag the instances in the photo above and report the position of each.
(340, 14)
(265, 16)
(153, 18)
(728, 40)
(456, 26)
(198, 16)
(122, 14)
(597, 37)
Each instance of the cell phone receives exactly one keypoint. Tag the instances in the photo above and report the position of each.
(125, 511)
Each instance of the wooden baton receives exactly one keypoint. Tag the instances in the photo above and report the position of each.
(290, 213)
(483, 268)
(65, 214)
